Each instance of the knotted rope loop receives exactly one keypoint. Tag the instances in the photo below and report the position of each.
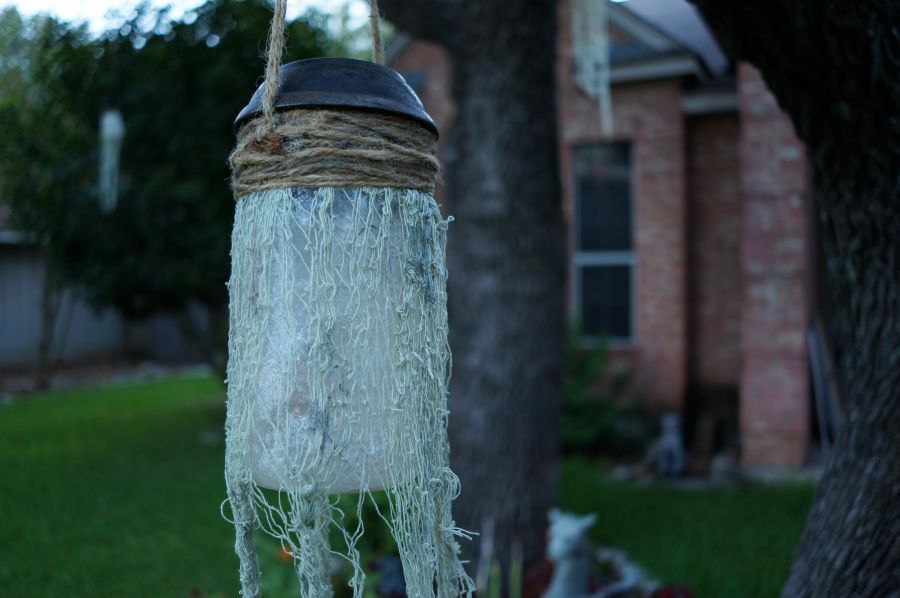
(275, 51)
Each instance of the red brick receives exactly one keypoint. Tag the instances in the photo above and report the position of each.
(774, 184)
(774, 424)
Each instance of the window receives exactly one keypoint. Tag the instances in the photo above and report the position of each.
(603, 257)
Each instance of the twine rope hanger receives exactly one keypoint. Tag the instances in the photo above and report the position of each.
(275, 51)
(320, 147)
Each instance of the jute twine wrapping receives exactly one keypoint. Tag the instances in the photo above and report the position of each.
(334, 148)
(329, 148)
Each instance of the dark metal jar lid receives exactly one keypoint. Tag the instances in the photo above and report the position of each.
(341, 82)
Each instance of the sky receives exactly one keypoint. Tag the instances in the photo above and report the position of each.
(96, 12)
(676, 17)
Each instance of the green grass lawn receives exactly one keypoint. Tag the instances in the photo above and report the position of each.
(723, 542)
(115, 492)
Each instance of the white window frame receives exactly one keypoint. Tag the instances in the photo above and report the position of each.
(586, 258)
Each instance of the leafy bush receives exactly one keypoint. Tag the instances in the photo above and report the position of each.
(179, 84)
(601, 412)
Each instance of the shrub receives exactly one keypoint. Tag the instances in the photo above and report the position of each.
(601, 412)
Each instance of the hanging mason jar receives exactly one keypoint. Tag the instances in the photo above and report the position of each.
(338, 354)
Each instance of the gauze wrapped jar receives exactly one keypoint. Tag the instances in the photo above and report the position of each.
(327, 405)
(338, 354)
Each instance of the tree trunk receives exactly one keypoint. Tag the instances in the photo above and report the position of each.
(851, 545)
(507, 288)
(506, 261)
(833, 67)
(51, 296)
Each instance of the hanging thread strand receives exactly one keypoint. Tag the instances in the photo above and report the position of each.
(375, 25)
(273, 63)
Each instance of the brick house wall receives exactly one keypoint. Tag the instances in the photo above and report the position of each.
(720, 249)
(775, 186)
(647, 115)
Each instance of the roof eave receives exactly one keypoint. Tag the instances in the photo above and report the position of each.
(667, 66)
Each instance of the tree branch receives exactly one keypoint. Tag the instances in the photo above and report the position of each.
(435, 20)
(830, 64)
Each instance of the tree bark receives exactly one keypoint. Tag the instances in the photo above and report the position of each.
(506, 261)
(833, 66)
(51, 297)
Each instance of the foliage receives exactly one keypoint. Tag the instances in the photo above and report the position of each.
(43, 144)
(179, 86)
(352, 37)
(736, 541)
(45, 140)
(601, 413)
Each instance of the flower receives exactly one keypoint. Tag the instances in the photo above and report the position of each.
(284, 553)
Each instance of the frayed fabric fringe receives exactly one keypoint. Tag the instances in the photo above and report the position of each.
(337, 382)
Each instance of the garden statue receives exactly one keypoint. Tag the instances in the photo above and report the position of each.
(573, 559)
(569, 550)
(670, 448)
(632, 580)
